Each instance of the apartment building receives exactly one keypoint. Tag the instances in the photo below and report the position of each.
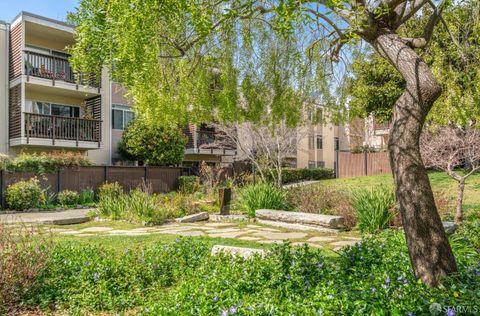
(319, 144)
(47, 106)
(367, 132)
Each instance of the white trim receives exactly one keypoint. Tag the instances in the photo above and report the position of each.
(46, 142)
(215, 152)
(60, 84)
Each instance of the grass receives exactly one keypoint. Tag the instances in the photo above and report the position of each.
(440, 181)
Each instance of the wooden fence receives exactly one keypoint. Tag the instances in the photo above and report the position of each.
(161, 179)
(362, 164)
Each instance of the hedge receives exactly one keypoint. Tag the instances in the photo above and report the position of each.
(290, 175)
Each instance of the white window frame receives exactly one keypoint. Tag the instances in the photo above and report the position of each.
(125, 110)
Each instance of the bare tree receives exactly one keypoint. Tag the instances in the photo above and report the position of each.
(267, 146)
(447, 149)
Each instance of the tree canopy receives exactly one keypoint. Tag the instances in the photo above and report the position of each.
(374, 85)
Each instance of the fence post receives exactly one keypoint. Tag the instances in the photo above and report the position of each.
(59, 181)
(337, 163)
(105, 174)
(145, 174)
(365, 161)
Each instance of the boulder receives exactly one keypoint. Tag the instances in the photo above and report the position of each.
(203, 216)
(329, 221)
(236, 251)
(449, 227)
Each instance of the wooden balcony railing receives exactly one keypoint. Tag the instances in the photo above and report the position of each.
(62, 128)
(56, 68)
(214, 140)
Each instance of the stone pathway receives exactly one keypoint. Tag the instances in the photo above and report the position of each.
(250, 232)
(67, 217)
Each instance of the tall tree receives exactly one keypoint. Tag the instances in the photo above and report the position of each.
(167, 52)
(373, 85)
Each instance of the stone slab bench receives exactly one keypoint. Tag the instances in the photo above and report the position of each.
(329, 221)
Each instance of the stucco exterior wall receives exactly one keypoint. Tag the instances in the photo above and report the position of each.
(4, 87)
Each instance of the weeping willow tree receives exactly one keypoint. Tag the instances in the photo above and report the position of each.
(196, 60)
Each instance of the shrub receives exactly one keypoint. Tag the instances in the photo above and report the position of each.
(373, 209)
(262, 196)
(24, 254)
(153, 143)
(110, 189)
(290, 175)
(5, 162)
(24, 195)
(48, 162)
(318, 198)
(141, 206)
(67, 198)
(188, 184)
(86, 197)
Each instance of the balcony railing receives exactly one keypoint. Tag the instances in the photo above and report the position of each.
(56, 68)
(62, 128)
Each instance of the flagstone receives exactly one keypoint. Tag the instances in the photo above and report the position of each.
(192, 233)
(249, 238)
(98, 229)
(320, 239)
(343, 243)
(282, 236)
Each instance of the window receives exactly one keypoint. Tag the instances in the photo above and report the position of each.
(319, 142)
(316, 164)
(311, 164)
(311, 142)
(121, 117)
(52, 109)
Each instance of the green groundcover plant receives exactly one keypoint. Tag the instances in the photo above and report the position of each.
(183, 278)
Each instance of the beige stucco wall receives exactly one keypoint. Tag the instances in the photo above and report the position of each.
(103, 155)
(327, 154)
(3, 88)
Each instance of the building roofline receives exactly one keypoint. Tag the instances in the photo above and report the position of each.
(23, 14)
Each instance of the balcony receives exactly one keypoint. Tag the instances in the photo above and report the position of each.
(210, 142)
(56, 69)
(59, 130)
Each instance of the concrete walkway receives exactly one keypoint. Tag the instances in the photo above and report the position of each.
(67, 217)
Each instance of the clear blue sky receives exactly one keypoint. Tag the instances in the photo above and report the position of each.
(55, 9)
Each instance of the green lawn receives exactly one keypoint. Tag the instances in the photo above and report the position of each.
(440, 181)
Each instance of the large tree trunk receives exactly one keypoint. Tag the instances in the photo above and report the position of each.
(458, 211)
(428, 246)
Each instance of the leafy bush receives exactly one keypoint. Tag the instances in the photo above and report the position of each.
(5, 162)
(188, 184)
(155, 144)
(290, 175)
(86, 197)
(373, 208)
(182, 278)
(262, 196)
(24, 195)
(110, 189)
(67, 198)
(48, 162)
(23, 257)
